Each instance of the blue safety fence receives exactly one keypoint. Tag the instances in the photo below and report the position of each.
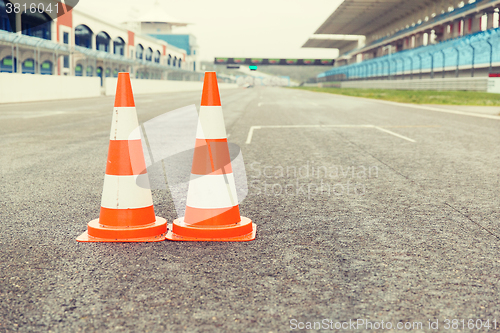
(479, 48)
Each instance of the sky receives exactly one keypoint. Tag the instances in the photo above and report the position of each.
(235, 28)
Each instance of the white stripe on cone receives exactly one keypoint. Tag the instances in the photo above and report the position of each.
(124, 124)
(211, 123)
(122, 192)
(212, 191)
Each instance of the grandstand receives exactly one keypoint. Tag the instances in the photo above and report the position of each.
(412, 39)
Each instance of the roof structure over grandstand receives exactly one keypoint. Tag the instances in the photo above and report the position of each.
(341, 42)
(363, 17)
(331, 44)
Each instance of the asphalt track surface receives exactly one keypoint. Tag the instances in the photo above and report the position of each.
(411, 236)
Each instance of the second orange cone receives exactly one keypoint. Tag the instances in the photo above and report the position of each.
(212, 210)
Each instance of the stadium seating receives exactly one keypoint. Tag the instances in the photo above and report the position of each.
(478, 48)
(474, 49)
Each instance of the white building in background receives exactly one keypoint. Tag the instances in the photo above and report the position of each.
(159, 24)
(80, 44)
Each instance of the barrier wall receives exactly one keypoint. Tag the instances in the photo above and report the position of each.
(161, 86)
(17, 87)
(473, 84)
(28, 88)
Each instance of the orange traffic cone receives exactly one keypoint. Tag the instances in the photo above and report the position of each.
(212, 210)
(127, 213)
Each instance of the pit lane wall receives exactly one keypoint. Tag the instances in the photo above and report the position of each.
(16, 87)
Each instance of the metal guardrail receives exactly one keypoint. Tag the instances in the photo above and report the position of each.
(14, 38)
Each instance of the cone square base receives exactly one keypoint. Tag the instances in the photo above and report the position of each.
(154, 232)
(179, 231)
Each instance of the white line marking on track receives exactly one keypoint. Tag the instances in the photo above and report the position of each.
(45, 114)
(253, 128)
(250, 134)
(430, 108)
(315, 104)
(395, 134)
